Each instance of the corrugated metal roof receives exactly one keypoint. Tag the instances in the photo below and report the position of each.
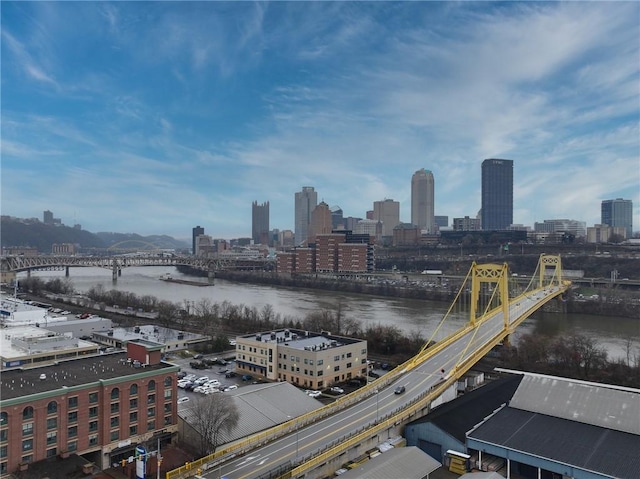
(397, 463)
(584, 446)
(597, 404)
(262, 406)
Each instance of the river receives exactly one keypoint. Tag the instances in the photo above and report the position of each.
(617, 335)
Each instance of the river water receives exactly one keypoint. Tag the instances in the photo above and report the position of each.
(618, 336)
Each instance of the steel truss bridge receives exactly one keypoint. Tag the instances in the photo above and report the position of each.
(306, 445)
(117, 263)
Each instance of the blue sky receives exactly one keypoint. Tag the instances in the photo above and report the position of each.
(155, 117)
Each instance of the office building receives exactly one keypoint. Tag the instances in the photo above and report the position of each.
(304, 358)
(578, 229)
(260, 223)
(388, 213)
(618, 213)
(497, 194)
(441, 221)
(406, 234)
(320, 222)
(604, 233)
(305, 202)
(195, 232)
(47, 217)
(466, 224)
(337, 220)
(100, 407)
(422, 200)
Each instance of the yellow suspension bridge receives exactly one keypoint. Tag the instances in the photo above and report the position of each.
(496, 303)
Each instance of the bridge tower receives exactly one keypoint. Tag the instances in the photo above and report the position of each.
(494, 274)
(546, 263)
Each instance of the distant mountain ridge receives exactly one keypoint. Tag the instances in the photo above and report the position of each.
(16, 232)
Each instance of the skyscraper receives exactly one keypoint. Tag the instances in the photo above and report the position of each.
(260, 222)
(387, 212)
(422, 200)
(497, 194)
(195, 232)
(306, 202)
(320, 222)
(619, 213)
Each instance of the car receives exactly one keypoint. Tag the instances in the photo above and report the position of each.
(247, 377)
(197, 356)
(314, 394)
(230, 374)
(399, 390)
(230, 388)
(183, 400)
(337, 390)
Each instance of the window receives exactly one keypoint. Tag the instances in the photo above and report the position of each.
(93, 398)
(167, 394)
(115, 435)
(167, 420)
(73, 402)
(152, 385)
(115, 407)
(72, 446)
(151, 398)
(133, 403)
(72, 431)
(363, 351)
(27, 459)
(336, 368)
(52, 407)
(4, 418)
(27, 429)
(3, 451)
(151, 425)
(52, 423)
(306, 361)
(93, 411)
(336, 358)
(115, 393)
(93, 440)
(168, 381)
(133, 390)
(167, 407)
(133, 430)
(3, 435)
(320, 373)
(348, 365)
(133, 416)
(348, 355)
(72, 417)
(52, 438)
(52, 452)
(151, 412)
(27, 413)
(320, 362)
(27, 445)
(115, 421)
(3, 468)
(93, 426)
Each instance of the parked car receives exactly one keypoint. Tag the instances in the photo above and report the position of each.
(399, 390)
(183, 400)
(197, 356)
(230, 374)
(336, 390)
(230, 388)
(314, 394)
(247, 377)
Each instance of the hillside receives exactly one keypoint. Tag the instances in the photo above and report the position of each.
(15, 232)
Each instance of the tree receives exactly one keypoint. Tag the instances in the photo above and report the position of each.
(214, 415)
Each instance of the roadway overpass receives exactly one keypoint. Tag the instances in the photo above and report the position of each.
(315, 444)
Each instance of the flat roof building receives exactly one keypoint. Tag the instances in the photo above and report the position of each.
(171, 339)
(303, 358)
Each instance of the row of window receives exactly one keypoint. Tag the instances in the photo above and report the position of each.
(52, 406)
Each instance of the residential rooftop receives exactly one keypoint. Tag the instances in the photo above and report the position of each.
(19, 382)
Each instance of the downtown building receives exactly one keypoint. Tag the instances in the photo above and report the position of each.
(195, 232)
(618, 213)
(497, 194)
(422, 200)
(305, 202)
(260, 223)
(388, 213)
(99, 407)
(303, 358)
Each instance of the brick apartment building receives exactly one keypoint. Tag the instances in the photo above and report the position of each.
(100, 407)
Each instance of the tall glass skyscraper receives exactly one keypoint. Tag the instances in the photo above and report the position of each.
(618, 213)
(195, 232)
(260, 223)
(422, 200)
(497, 194)
(306, 202)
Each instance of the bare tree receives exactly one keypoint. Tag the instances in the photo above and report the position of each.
(214, 415)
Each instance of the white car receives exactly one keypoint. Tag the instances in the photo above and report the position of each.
(314, 394)
(337, 390)
(230, 388)
(211, 390)
(182, 400)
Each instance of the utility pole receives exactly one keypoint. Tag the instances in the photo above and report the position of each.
(159, 459)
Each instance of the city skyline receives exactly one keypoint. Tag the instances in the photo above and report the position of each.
(154, 117)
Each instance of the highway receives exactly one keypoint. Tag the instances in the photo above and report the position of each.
(334, 429)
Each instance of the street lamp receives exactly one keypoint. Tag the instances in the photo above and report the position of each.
(377, 403)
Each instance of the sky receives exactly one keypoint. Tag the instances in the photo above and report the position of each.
(155, 117)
